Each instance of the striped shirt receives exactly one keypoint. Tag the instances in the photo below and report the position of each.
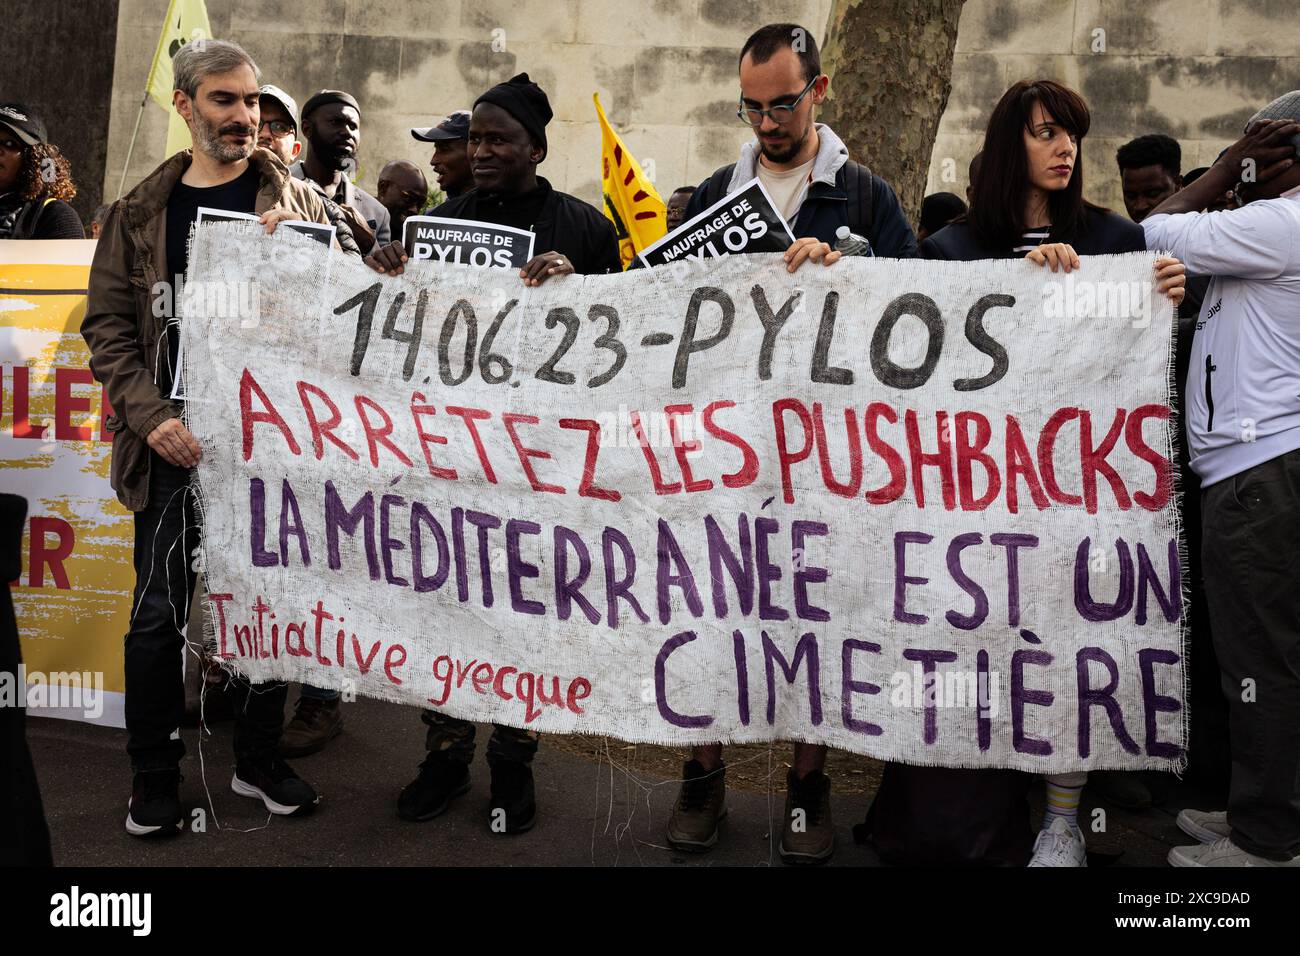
(1032, 239)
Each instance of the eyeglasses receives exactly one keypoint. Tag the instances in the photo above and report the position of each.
(12, 145)
(777, 114)
(278, 127)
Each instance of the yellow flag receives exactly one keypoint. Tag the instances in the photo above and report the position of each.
(178, 134)
(631, 201)
(187, 20)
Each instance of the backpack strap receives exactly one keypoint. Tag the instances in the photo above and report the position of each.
(717, 185)
(27, 219)
(859, 182)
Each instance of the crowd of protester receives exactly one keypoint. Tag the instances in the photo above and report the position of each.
(1233, 240)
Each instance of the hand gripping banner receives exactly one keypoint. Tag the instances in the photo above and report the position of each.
(918, 510)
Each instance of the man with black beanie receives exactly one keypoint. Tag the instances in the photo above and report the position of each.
(507, 140)
(331, 124)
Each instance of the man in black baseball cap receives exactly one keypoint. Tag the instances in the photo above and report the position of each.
(455, 126)
(449, 160)
(331, 124)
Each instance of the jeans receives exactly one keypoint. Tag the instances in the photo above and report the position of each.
(1252, 582)
(166, 535)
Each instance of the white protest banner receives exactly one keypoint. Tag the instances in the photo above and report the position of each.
(746, 221)
(467, 242)
(913, 509)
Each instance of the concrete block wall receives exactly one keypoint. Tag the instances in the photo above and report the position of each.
(1192, 69)
(666, 72)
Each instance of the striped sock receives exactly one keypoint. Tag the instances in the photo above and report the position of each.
(1063, 793)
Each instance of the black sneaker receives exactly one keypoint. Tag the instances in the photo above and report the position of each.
(429, 794)
(514, 802)
(269, 779)
(155, 805)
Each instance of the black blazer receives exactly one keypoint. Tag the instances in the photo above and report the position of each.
(1103, 232)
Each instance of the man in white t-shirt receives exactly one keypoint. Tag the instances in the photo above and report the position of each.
(1243, 429)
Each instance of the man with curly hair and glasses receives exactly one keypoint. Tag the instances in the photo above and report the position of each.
(35, 180)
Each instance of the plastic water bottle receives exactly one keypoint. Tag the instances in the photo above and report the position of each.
(851, 244)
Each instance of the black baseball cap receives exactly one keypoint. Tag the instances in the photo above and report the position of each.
(23, 121)
(455, 126)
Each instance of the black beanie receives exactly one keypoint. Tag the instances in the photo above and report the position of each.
(327, 96)
(524, 100)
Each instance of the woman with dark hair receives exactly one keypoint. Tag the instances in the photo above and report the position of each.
(1027, 202)
(35, 181)
(1030, 200)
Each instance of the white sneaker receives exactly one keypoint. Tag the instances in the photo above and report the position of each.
(1207, 826)
(1222, 853)
(1059, 845)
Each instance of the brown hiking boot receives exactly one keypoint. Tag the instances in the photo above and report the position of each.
(809, 833)
(315, 723)
(701, 805)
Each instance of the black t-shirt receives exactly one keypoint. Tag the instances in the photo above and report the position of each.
(238, 195)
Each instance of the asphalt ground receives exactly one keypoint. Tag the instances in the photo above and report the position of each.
(595, 811)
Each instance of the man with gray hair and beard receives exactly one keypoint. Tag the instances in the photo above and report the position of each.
(134, 351)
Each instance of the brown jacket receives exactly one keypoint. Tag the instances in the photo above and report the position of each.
(121, 327)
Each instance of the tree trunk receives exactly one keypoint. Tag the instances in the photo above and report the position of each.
(890, 64)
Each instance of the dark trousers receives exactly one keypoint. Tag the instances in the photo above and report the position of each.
(24, 836)
(1252, 580)
(166, 535)
(455, 738)
(1208, 761)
